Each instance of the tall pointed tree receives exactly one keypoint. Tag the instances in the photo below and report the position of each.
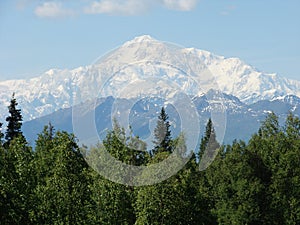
(204, 201)
(162, 134)
(14, 120)
(1, 134)
(209, 146)
(205, 139)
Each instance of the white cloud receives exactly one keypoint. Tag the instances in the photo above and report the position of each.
(133, 7)
(128, 7)
(59, 8)
(182, 5)
(52, 10)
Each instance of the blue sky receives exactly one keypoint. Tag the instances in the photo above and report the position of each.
(39, 35)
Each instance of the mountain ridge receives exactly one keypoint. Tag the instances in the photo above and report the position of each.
(62, 88)
(242, 120)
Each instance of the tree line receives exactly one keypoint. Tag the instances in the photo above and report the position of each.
(257, 182)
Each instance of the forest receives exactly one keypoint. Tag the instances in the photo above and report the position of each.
(253, 182)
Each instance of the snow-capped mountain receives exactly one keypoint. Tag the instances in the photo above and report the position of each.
(144, 66)
(242, 120)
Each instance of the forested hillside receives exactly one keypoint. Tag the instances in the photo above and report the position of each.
(257, 182)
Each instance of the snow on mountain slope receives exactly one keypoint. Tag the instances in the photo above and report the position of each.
(158, 67)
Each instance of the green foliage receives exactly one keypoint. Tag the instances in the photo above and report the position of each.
(44, 155)
(162, 134)
(61, 193)
(258, 183)
(16, 182)
(129, 150)
(208, 147)
(244, 183)
(1, 134)
(162, 203)
(175, 200)
(237, 191)
(113, 202)
(14, 120)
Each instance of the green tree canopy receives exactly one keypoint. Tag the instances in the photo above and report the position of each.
(14, 120)
(162, 134)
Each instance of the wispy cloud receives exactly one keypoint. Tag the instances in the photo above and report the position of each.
(52, 10)
(228, 10)
(128, 7)
(59, 8)
(133, 7)
(182, 5)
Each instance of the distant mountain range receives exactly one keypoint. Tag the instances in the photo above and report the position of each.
(242, 120)
(136, 61)
(145, 67)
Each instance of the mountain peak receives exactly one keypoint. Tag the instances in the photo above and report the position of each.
(134, 62)
(141, 39)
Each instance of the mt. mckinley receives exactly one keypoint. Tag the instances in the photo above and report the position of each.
(58, 88)
(146, 67)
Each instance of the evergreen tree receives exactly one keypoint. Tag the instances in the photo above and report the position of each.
(16, 182)
(62, 194)
(170, 201)
(3, 164)
(209, 146)
(254, 183)
(1, 134)
(44, 153)
(14, 120)
(164, 202)
(162, 134)
(236, 191)
(113, 202)
(270, 126)
(204, 140)
(289, 175)
(292, 127)
(204, 201)
(283, 160)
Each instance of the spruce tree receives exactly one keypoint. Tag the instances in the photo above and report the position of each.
(208, 147)
(205, 139)
(204, 201)
(162, 134)
(1, 134)
(14, 120)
